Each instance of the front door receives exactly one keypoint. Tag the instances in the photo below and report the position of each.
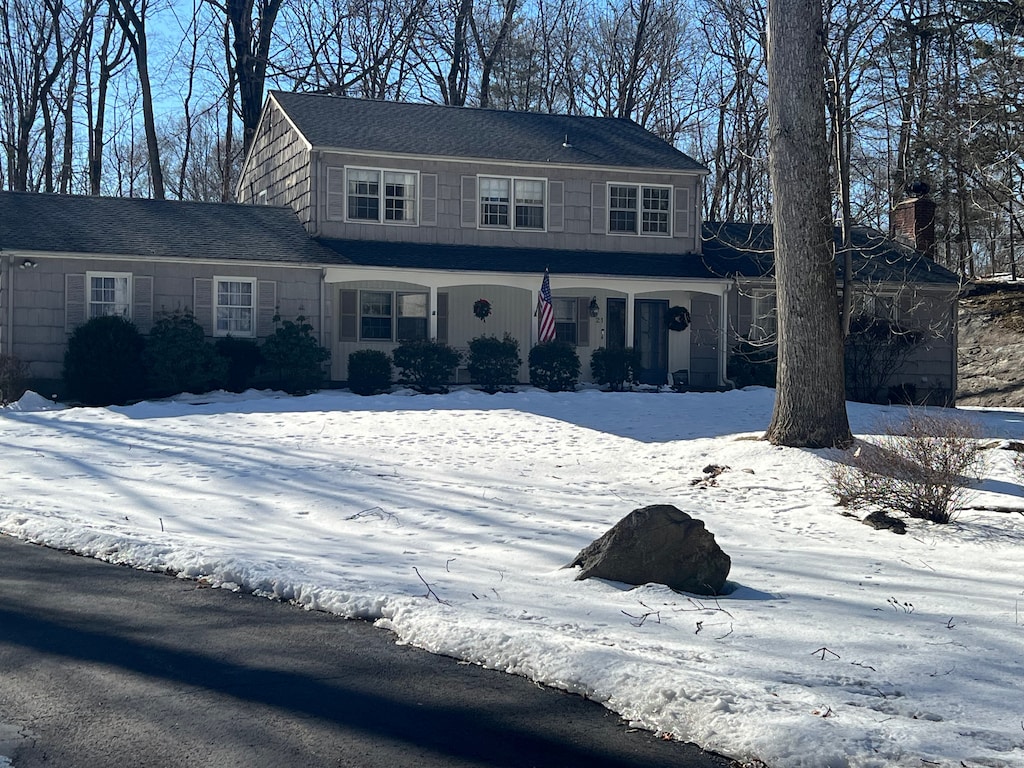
(650, 338)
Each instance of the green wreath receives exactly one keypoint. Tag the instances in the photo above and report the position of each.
(678, 318)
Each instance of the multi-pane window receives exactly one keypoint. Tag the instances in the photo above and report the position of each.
(234, 311)
(494, 202)
(529, 204)
(363, 194)
(399, 196)
(375, 311)
(621, 209)
(109, 294)
(763, 316)
(638, 209)
(510, 203)
(654, 212)
(566, 319)
(412, 317)
(388, 316)
(375, 195)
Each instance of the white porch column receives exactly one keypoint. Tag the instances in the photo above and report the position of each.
(432, 317)
(630, 317)
(723, 338)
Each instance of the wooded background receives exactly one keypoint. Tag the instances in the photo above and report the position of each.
(160, 97)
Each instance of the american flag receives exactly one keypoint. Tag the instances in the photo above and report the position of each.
(545, 312)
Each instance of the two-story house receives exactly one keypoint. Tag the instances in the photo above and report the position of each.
(384, 221)
(435, 207)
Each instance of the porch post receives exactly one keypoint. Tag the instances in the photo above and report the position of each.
(432, 316)
(723, 338)
(630, 317)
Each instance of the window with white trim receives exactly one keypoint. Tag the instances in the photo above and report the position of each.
(381, 196)
(392, 316)
(110, 293)
(639, 209)
(511, 203)
(566, 320)
(763, 316)
(234, 309)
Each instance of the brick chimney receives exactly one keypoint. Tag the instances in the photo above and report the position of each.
(913, 219)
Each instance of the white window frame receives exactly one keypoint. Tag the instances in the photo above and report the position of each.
(640, 229)
(764, 323)
(565, 310)
(412, 200)
(512, 202)
(121, 307)
(233, 329)
(396, 313)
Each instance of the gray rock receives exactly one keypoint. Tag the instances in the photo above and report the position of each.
(882, 521)
(657, 544)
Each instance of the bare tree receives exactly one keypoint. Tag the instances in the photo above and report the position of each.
(810, 406)
(132, 21)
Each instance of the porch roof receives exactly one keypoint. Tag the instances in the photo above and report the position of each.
(471, 258)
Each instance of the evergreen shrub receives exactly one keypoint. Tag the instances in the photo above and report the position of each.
(554, 366)
(243, 358)
(179, 359)
(103, 363)
(369, 372)
(494, 363)
(427, 366)
(294, 357)
(615, 368)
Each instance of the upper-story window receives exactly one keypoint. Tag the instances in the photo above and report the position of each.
(510, 203)
(109, 293)
(639, 209)
(381, 196)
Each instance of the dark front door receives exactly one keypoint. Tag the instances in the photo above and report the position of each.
(616, 324)
(650, 338)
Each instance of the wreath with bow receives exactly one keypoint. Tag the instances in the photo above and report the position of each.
(678, 318)
(482, 309)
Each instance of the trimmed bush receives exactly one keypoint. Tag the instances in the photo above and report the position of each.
(294, 357)
(921, 467)
(427, 366)
(243, 357)
(13, 378)
(554, 366)
(753, 365)
(615, 368)
(179, 359)
(494, 363)
(103, 364)
(369, 372)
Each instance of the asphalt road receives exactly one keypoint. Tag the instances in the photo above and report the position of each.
(106, 667)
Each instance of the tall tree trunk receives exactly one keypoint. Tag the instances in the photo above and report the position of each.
(133, 25)
(810, 404)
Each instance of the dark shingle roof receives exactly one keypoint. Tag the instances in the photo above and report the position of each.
(518, 260)
(747, 250)
(154, 228)
(339, 122)
(729, 250)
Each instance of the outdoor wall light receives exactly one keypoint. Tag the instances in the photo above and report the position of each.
(27, 264)
(594, 307)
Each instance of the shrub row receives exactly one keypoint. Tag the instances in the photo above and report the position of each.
(108, 362)
(493, 363)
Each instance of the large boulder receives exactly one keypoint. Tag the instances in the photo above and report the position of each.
(657, 544)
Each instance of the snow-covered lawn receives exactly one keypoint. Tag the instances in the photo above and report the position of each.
(448, 520)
